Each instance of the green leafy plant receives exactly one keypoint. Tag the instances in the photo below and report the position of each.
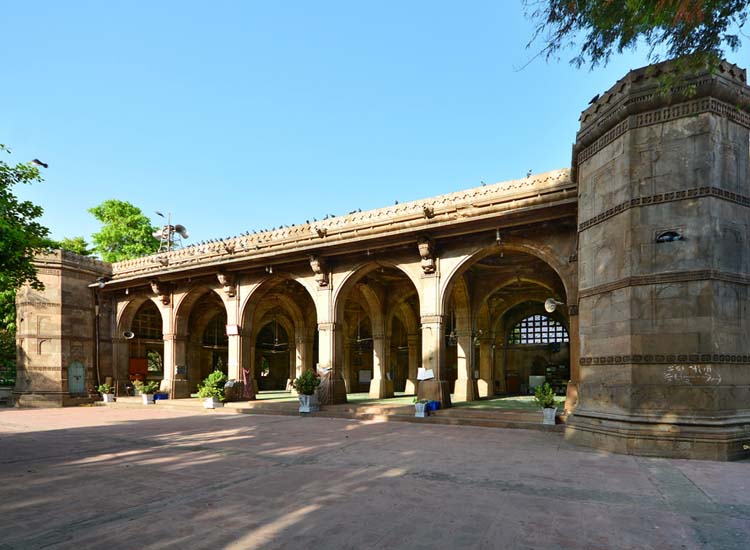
(146, 387)
(544, 396)
(104, 388)
(306, 382)
(418, 400)
(213, 386)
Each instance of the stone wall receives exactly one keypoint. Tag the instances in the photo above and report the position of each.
(56, 328)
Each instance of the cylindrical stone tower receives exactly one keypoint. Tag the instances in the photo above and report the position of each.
(661, 164)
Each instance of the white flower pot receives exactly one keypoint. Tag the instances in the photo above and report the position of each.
(211, 403)
(549, 416)
(148, 398)
(108, 397)
(420, 410)
(308, 403)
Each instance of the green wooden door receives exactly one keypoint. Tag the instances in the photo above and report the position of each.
(76, 378)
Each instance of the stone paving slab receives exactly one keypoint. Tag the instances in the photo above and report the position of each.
(158, 478)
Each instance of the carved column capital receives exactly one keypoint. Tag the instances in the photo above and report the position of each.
(426, 249)
(318, 266)
(227, 281)
(162, 290)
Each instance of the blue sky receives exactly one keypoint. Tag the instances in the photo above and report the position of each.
(246, 115)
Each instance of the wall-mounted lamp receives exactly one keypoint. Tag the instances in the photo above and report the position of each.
(668, 237)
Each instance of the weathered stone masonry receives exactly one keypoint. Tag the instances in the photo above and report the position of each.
(644, 241)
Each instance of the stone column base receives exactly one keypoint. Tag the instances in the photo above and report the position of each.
(335, 391)
(722, 439)
(412, 384)
(465, 390)
(181, 389)
(571, 397)
(381, 388)
(485, 387)
(44, 399)
(435, 390)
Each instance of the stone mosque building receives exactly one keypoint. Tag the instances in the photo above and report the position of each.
(641, 245)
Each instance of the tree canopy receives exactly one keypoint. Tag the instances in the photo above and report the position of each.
(126, 232)
(75, 244)
(699, 29)
(21, 235)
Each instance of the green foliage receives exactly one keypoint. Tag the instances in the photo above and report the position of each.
(146, 387)
(544, 396)
(77, 245)
(104, 388)
(213, 386)
(21, 236)
(126, 232)
(418, 400)
(693, 28)
(7, 358)
(306, 382)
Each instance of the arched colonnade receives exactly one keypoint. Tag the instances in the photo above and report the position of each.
(373, 322)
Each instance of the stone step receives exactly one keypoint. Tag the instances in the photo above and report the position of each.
(460, 416)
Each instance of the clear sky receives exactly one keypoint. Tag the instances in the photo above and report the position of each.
(247, 115)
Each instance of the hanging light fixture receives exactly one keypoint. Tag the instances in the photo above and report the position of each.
(452, 336)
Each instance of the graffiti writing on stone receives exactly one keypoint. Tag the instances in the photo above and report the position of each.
(692, 375)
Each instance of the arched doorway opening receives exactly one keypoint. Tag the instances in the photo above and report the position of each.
(146, 347)
(273, 353)
(207, 344)
(215, 344)
(279, 334)
(536, 350)
(379, 309)
(483, 304)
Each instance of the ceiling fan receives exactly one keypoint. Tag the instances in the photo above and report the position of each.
(276, 346)
(359, 338)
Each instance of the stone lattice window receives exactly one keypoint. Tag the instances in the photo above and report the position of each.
(147, 322)
(538, 329)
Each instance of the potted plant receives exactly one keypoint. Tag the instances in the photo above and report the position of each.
(420, 408)
(106, 391)
(146, 389)
(306, 385)
(544, 396)
(212, 390)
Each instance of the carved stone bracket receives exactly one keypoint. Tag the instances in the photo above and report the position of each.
(427, 251)
(161, 290)
(318, 265)
(227, 281)
(573, 310)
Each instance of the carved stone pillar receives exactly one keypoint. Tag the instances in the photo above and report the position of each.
(486, 383)
(466, 386)
(571, 395)
(330, 354)
(380, 386)
(433, 358)
(347, 367)
(411, 380)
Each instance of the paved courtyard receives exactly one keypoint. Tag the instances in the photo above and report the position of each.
(150, 478)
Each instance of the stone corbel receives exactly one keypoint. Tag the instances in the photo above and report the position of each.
(427, 252)
(161, 290)
(227, 281)
(318, 266)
